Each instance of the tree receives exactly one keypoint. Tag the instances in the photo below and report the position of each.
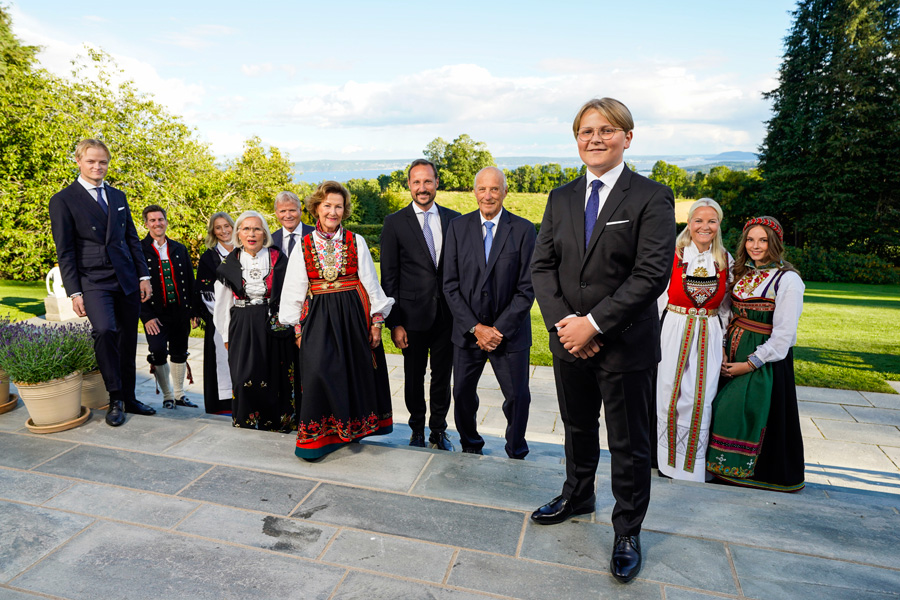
(829, 158)
(671, 175)
(458, 161)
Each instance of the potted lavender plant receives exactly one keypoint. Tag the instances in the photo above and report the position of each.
(45, 363)
(7, 401)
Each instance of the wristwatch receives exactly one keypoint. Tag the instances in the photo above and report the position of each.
(472, 331)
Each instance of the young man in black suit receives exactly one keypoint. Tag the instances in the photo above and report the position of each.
(603, 256)
(412, 262)
(167, 316)
(487, 283)
(103, 271)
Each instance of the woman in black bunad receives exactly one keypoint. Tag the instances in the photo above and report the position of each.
(331, 292)
(216, 376)
(246, 313)
(755, 436)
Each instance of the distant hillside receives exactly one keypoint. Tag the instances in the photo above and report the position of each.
(733, 165)
(734, 156)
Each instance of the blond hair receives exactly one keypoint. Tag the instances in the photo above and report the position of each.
(612, 110)
(82, 147)
(718, 246)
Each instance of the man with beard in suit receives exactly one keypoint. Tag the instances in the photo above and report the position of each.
(602, 259)
(103, 271)
(412, 266)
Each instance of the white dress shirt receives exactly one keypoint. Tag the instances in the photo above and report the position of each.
(92, 189)
(495, 221)
(609, 179)
(434, 221)
(163, 250)
(286, 239)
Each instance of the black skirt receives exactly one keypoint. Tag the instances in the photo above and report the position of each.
(780, 466)
(262, 372)
(346, 393)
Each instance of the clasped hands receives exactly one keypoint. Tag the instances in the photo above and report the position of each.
(576, 334)
(734, 369)
(487, 337)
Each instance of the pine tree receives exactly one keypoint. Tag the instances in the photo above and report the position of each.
(829, 159)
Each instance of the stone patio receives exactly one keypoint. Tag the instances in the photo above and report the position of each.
(181, 505)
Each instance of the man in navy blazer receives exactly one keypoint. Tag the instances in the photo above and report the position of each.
(412, 271)
(287, 211)
(103, 271)
(487, 282)
(603, 257)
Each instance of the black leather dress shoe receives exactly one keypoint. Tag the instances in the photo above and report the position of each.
(559, 509)
(185, 402)
(139, 408)
(115, 415)
(626, 558)
(472, 451)
(417, 439)
(441, 441)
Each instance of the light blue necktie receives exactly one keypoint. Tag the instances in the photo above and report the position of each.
(591, 210)
(429, 239)
(488, 240)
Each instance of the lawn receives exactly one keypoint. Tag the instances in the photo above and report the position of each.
(849, 334)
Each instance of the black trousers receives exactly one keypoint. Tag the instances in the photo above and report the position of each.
(435, 341)
(114, 318)
(172, 339)
(511, 369)
(581, 388)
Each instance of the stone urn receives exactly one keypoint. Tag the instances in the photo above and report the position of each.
(93, 391)
(7, 401)
(54, 405)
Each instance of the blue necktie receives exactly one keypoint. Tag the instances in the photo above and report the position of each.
(429, 239)
(488, 240)
(591, 210)
(291, 244)
(101, 201)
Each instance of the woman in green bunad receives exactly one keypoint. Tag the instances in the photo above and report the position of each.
(755, 436)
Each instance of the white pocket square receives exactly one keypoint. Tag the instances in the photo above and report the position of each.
(617, 222)
(123, 208)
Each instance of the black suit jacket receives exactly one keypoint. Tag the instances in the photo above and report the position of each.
(618, 278)
(498, 293)
(278, 236)
(182, 273)
(408, 274)
(96, 251)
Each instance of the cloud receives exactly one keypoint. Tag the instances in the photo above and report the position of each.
(198, 37)
(256, 70)
(57, 55)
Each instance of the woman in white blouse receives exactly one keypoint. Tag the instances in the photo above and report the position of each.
(756, 439)
(694, 311)
(331, 292)
(246, 314)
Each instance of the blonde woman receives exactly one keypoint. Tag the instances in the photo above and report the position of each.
(693, 321)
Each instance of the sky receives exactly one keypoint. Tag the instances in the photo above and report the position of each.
(375, 80)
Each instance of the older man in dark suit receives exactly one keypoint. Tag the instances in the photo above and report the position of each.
(288, 212)
(487, 282)
(412, 264)
(603, 257)
(103, 271)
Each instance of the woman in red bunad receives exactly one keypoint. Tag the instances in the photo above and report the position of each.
(756, 439)
(694, 310)
(332, 295)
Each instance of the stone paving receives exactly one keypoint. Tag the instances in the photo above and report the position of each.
(182, 505)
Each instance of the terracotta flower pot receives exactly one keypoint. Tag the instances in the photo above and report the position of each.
(4, 387)
(52, 402)
(93, 391)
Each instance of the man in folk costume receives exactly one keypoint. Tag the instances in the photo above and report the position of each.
(167, 316)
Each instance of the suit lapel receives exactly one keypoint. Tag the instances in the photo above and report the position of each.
(499, 240)
(416, 231)
(615, 198)
(445, 226)
(576, 205)
(89, 203)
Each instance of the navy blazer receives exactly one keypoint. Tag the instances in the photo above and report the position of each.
(498, 293)
(408, 274)
(96, 251)
(279, 234)
(618, 277)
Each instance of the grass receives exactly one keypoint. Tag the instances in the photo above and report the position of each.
(849, 335)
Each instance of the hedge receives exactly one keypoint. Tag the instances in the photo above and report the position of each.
(838, 266)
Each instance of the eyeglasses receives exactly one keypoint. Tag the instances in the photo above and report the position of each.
(606, 133)
(251, 230)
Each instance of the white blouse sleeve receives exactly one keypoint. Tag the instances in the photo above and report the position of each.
(788, 306)
(296, 284)
(378, 300)
(222, 309)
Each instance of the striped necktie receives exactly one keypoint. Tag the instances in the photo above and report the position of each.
(429, 239)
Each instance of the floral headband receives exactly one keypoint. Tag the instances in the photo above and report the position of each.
(770, 223)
